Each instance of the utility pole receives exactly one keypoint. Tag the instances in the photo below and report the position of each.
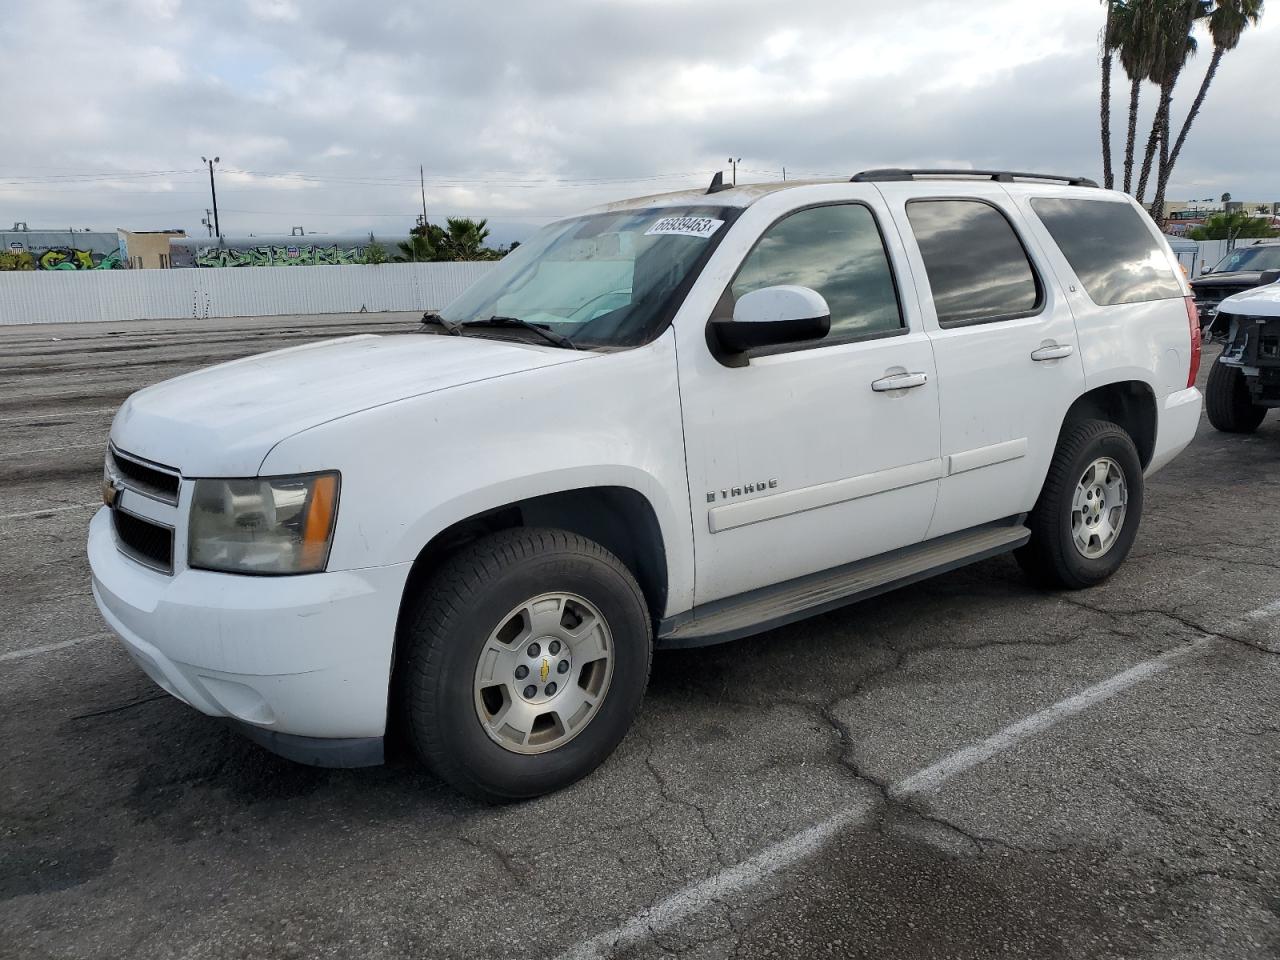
(422, 183)
(734, 163)
(217, 228)
(784, 174)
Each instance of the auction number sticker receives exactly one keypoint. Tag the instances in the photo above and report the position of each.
(685, 227)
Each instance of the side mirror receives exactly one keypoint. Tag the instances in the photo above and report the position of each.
(1269, 276)
(774, 315)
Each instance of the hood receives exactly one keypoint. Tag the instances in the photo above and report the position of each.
(223, 420)
(1240, 278)
(1258, 302)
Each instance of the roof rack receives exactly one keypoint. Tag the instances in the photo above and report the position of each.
(999, 176)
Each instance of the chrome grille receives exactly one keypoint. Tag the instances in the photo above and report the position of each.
(145, 541)
(153, 480)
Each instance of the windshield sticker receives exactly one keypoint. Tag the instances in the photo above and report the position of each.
(684, 227)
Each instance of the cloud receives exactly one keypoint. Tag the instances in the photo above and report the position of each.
(523, 111)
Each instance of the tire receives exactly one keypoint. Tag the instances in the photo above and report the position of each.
(496, 591)
(1052, 557)
(1228, 403)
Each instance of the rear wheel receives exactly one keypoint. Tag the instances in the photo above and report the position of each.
(1087, 516)
(1228, 403)
(526, 659)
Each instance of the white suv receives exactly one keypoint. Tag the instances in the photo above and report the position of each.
(673, 421)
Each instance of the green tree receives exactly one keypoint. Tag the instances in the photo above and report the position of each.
(422, 245)
(461, 239)
(464, 239)
(1231, 226)
(374, 252)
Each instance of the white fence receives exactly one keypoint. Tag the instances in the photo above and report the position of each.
(72, 296)
(1209, 252)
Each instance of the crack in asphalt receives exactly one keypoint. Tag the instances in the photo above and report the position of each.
(1122, 615)
(668, 796)
(893, 811)
(510, 867)
(120, 707)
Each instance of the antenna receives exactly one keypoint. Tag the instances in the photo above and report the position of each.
(718, 184)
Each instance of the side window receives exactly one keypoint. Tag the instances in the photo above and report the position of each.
(836, 250)
(977, 267)
(1110, 248)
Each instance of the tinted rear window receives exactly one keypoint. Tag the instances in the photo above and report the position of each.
(1110, 248)
(977, 268)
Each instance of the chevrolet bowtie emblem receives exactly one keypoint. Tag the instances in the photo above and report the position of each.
(110, 492)
(545, 671)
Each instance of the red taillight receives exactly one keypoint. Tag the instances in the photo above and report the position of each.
(1193, 320)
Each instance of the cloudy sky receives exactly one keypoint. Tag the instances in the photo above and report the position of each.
(322, 110)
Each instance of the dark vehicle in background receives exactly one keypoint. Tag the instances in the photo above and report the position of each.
(1241, 269)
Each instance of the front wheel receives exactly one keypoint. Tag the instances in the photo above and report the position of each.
(526, 659)
(1227, 401)
(1087, 516)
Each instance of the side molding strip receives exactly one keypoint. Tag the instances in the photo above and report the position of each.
(987, 456)
(730, 515)
(784, 504)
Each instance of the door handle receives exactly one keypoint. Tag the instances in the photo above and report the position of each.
(899, 381)
(1054, 351)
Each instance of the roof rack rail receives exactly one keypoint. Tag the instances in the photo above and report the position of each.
(718, 184)
(999, 176)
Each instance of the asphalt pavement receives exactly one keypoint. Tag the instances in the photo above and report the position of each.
(969, 767)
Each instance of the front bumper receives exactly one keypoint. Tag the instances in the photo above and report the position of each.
(1178, 420)
(291, 659)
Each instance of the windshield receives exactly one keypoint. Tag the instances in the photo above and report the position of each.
(1250, 258)
(605, 280)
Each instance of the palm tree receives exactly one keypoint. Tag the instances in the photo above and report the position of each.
(1131, 36)
(1227, 23)
(1108, 42)
(1172, 46)
(417, 249)
(464, 239)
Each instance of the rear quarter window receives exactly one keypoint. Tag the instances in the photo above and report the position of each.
(1110, 248)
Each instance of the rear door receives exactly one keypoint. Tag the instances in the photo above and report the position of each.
(1005, 344)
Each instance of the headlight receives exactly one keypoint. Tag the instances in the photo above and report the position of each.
(268, 525)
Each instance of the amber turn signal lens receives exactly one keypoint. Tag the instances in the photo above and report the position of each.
(318, 529)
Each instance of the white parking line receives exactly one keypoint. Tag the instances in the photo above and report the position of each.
(72, 446)
(729, 883)
(40, 513)
(50, 647)
(96, 411)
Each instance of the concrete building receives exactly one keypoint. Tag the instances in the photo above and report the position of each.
(147, 249)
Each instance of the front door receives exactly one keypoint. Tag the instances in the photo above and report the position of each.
(797, 463)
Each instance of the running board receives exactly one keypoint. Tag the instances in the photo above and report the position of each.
(774, 606)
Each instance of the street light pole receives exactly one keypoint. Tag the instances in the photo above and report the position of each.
(213, 190)
(734, 163)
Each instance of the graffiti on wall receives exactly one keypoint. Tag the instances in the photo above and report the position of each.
(72, 258)
(277, 255)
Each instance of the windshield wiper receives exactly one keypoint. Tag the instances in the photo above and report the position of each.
(451, 328)
(559, 339)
